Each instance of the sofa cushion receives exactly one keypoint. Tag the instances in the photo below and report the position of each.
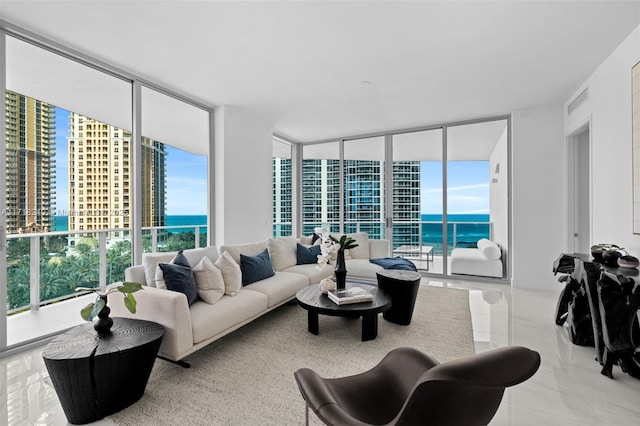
(180, 278)
(471, 261)
(231, 273)
(208, 321)
(362, 268)
(150, 262)
(196, 255)
(362, 251)
(489, 249)
(251, 249)
(280, 287)
(282, 251)
(255, 268)
(209, 281)
(306, 255)
(315, 273)
(306, 241)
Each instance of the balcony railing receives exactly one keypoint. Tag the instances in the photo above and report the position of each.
(45, 268)
(411, 233)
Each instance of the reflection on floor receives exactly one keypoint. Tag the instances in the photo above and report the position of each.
(568, 389)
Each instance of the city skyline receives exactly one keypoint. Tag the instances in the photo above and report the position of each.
(468, 182)
(186, 177)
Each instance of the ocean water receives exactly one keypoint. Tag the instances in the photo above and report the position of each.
(61, 223)
(469, 228)
(463, 230)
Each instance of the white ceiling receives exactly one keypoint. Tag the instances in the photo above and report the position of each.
(319, 70)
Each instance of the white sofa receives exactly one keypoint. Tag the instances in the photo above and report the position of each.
(485, 260)
(189, 328)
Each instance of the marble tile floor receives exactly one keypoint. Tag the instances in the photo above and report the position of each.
(568, 389)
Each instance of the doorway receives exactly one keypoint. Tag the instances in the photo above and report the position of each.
(579, 193)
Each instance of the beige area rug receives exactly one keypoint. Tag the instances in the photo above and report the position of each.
(246, 378)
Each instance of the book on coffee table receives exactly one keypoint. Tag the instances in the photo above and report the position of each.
(350, 295)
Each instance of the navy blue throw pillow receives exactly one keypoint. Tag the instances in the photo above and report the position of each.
(256, 268)
(180, 278)
(307, 255)
(181, 260)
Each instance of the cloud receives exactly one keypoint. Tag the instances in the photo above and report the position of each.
(455, 188)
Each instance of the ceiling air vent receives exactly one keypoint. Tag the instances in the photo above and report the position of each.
(579, 100)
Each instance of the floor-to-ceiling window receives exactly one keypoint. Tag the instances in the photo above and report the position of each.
(282, 189)
(73, 146)
(364, 186)
(447, 188)
(321, 187)
(417, 198)
(61, 211)
(174, 153)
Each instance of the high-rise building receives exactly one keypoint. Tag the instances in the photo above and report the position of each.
(364, 186)
(30, 163)
(282, 193)
(100, 185)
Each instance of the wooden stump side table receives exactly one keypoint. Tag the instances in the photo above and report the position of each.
(95, 376)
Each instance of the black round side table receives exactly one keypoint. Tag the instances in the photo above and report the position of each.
(403, 287)
(95, 376)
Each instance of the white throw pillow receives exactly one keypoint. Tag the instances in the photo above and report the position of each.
(231, 273)
(489, 249)
(209, 281)
(150, 263)
(283, 252)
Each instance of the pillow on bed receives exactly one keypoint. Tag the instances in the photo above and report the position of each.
(489, 249)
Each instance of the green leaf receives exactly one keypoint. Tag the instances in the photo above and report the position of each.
(129, 287)
(85, 312)
(89, 312)
(97, 307)
(130, 302)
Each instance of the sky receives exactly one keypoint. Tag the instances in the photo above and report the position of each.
(186, 175)
(467, 187)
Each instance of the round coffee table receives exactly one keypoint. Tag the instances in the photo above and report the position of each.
(316, 303)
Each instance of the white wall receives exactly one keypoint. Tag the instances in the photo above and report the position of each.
(609, 108)
(243, 177)
(538, 194)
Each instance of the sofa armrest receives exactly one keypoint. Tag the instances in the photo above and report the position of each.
(135, 274)
(379, 248)
(169, 308)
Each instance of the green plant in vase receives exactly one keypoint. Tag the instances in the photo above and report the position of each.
(100, 309)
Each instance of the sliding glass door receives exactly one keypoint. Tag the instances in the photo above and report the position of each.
(477, 188)
(417, 198)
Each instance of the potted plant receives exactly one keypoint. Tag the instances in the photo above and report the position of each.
(100, 309)
(332, 245)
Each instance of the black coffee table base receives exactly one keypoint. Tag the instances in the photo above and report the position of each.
(369, 325)
(317, 303)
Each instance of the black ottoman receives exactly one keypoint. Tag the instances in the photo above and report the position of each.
(402, 286)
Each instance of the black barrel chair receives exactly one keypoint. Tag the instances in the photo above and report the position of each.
(409, 387)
